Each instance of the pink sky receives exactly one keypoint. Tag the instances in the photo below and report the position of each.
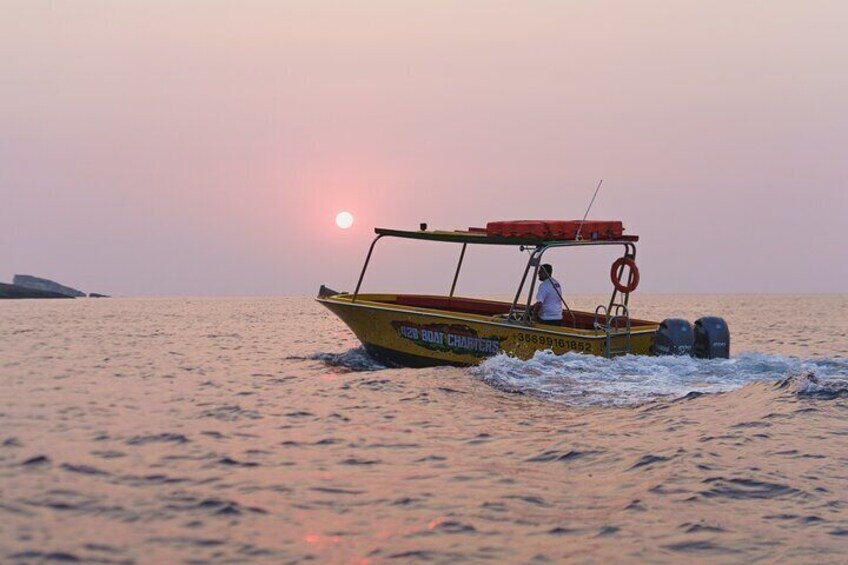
(204, 148)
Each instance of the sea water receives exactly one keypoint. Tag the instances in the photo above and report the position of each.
(257, 430)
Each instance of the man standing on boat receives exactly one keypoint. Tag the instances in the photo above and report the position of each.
(548, 307)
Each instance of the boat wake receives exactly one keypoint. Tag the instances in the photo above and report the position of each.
(586, 380)
(353, 360)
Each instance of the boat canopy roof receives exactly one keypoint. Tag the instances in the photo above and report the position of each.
(480, 236)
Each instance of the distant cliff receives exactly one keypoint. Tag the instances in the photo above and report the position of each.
(17, 291)
(45, 285)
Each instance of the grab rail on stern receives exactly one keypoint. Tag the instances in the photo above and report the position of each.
(613, 330)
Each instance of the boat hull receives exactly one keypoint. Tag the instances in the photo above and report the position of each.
(419, 337)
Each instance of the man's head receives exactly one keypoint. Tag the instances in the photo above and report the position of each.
(545, 272)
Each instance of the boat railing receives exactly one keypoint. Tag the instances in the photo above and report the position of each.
(520, 310)
(601, 310)
(616, 326)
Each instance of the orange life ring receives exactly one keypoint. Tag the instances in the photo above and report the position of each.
(618, 269)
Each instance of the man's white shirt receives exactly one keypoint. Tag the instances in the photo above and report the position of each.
(550, 299)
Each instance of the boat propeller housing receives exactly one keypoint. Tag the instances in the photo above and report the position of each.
(712, 338)
(674, 337)
(708, 339)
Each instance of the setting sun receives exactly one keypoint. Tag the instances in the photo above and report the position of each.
(344, 220)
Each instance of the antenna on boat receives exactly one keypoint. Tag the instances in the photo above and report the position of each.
(580, 227)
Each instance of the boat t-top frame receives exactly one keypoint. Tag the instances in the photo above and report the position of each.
(520, 314)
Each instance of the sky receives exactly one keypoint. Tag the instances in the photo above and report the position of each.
(204, 148)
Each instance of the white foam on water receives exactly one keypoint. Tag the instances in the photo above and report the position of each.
(356, 359)
(588, 380)
(811, 385)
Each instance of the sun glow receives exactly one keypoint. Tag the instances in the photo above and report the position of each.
(344, 220)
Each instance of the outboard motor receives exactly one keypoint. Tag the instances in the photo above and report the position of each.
(712, 338)
(674, 337)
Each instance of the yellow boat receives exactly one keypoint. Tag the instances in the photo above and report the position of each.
(424, 330)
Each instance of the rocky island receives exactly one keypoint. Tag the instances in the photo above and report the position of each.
(16, 291)
(36, 283)
(27, 286)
